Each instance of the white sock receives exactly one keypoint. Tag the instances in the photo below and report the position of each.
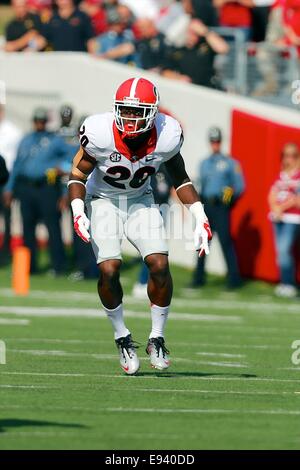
(116, 317)
(159, 317)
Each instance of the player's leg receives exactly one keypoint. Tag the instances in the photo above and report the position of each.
(106, 235)
(111, 294)
(160, 288)
(109, 286)
(145, 230)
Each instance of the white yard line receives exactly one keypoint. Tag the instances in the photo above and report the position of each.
(223, 364)
(177, 343)
(104, 357)
(213, 392)
(220, 304)
(200, 411)
(154, 390)
(203, 353)
(162, 410)
(17, 322)
(170, 376)
(98, 313)
(27, 386)
(56, 340)
(224, 304)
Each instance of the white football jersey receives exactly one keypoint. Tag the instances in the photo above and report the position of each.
(119, 171)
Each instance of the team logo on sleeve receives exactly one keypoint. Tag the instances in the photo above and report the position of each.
(115, 157)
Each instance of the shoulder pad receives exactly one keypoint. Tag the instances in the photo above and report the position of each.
(95, 134)
(170, 135)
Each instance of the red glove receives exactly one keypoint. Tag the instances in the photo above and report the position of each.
(202, 233)
(81, 227)
(81, 222)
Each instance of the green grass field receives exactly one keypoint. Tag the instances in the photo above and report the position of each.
(232, 384)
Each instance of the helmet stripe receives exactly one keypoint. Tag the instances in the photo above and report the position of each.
(133, 87)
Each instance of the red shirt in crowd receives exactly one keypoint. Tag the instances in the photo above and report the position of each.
(287, 186)
(234, 14)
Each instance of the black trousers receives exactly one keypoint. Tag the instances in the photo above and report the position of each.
(219, 219)
(39, 203)
(5, 249)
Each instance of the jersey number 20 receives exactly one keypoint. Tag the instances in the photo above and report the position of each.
(115, 174)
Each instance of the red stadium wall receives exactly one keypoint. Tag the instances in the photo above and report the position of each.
(257, 144)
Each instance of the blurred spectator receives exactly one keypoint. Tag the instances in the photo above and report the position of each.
(260, 18)
(69, 29)
(67, 130)
(205, 11)
(176, 25)
(194, 62)
(127, 17)
(284, 201)
(10, 137)
(235, 14)
(150, 47)
(283, 31)
(221, 185)
(42, 8)
(142, 8)
(110, 4)
(23, 31)
(148, 51)
(118, 35)
(168, 16)
(97, 14)
(292, 24)
(268, 52)
(3, 172)
(38, 188)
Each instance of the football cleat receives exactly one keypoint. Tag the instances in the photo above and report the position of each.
(128, 358)
(158, 353)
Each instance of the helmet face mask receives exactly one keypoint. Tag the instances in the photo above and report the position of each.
(135, 106)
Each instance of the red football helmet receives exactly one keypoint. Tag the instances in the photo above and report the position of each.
(135, 106)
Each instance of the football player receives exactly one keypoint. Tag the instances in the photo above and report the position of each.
(119, 152)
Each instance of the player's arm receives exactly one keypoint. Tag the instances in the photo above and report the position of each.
(83, 165)
(188, 195)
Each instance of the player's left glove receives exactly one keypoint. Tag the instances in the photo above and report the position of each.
(202, 233)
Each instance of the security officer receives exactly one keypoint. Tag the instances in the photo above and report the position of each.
(67, 130)
(34, 181)
(221, 183)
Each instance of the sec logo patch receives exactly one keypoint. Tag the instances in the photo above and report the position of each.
(115, 157)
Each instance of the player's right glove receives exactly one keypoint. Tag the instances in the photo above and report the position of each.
(81, 222)
(202, 233)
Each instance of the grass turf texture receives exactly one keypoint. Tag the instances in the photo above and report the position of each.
(231, 385)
